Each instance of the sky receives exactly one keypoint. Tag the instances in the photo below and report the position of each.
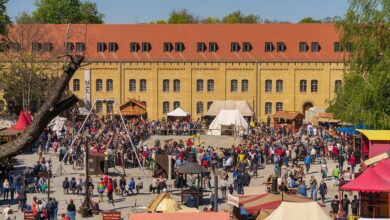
(143, 11)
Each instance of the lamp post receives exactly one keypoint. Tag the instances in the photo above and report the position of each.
(86, 207)
(214, 164)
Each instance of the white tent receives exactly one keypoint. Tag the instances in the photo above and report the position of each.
(306, 211)
(178, 112)
(57, 124)
(240, 105)
(227, 119)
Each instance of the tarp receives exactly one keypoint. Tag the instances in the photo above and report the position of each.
(373, 179)
(28, 117)
(241, 105)
(348, 130)
(22, 123)
(181, 216)
(178, 112)
(376, 135)
(299, 211)
(225, 117)
(57, 124)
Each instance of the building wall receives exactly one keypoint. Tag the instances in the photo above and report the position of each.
(222, 73)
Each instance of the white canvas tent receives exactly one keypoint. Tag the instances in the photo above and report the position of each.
(241, 105)
(307, 211)
(227, 119)
(57, 124)
(178, 112)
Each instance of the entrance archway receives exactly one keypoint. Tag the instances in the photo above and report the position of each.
(306, 106)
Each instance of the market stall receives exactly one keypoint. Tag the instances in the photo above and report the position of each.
(307, 211)
(178, 114)
(374, 142)
(293, 120)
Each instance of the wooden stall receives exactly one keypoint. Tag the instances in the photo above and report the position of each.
(293, 120)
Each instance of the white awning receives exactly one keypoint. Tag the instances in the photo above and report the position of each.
(178, 113)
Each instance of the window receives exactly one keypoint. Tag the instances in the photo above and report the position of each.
(268, 85)
(101, 47)
(279, 106)
(280, 47)
(210, 85)
(165, 107)
(132, 85)
(110, 107)
(303, 47)
(146, 47)
(337, 85)
(165, 85)
(268, 108)
(134, 47)
(99, 107)
(199, 107)
(4, 46)
(68, 46)
(112, 47)
(99, 85)
(36, 47)
(176, 85)
(348, 47)
(142, 85)
(337, 47)
(109, 85)
(213, 47)
(233, 85)
(199, 85)
(314, 85)
(179, 47)
(209, 105)
(176, 105)
(76, 85)
(80, 47)
(246, 47)
(201, 47)
(244, 85)
(279, 85)
(168, 47)
(47, 47)
(302, 85)
(235, 47)
(315, 47)
(269, 47)
(14, 46)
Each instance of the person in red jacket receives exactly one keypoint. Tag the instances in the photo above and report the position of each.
(110, 189)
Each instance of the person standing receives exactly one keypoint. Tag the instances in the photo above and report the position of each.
(71, 210)
(122, 185)
(313, 188)
(355, 205)
(341, 160)
(345, 204)
(100, 188)
(224, 185)
(6, 189)
(323, 188)
(352, 162)
(324, 170)
(110, 190)
(335, 204)
(140, 185)
(132, 186)
(336, 174)
(307, 161)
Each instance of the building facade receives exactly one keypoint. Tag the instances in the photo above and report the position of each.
(273, 67)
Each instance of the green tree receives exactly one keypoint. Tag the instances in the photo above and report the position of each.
(365, 94)
(211, 20)
(4, 18)
(182, 17)
(66, 12)
(309, 20)
(237, 17)
(24, 18)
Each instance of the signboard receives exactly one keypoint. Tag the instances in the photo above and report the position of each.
(233, 200)
(87, 85)
(111, 215)
(29, 215)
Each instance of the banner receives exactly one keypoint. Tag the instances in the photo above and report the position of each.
(87, 89)
(233, 200)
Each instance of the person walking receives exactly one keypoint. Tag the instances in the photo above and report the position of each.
(110, 190)
(336, 174)
(65, 185)
(71, 210)
(352, 162)
(224, 185)
(140, 185)
(100, 188)
(345, 204)
(6, 189)
(324, 170)
(313, 188)
(122, 185)
(307, 161)
(341, 160)
(323, 189)
(132, 185)
(335, 205)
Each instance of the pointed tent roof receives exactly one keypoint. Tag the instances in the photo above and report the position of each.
(22, 122)
(309, 211)
(178, 112)
(28, 117)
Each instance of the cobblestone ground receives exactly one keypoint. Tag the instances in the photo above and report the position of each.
(131, 204)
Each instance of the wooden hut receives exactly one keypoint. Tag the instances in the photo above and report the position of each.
(292, 120)
(133, 108)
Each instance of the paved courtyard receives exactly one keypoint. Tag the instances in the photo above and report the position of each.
(131, 204)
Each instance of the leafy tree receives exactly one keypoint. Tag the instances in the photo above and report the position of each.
(211, 20)
(66, 11)
(237, 17)
(4, 18)
(365, 94)
(309, 20)
(158, 22)
(182, 17)
(24, 18)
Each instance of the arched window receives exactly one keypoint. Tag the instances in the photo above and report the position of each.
(314, 85)
(244, 85)
(268, 108)
(199, 107)
(99, 85)
(209, 105)
(76, 85)
(176, 105)
(233, 85)
(165, 107)
(142, 85)
(176, 85)
(110, 107)
(279, 106)
(109, 85)
(166, 85)
(99, 107)
(210, 85)
(337, 85)
(199, 85)
(268, 85)
(279, 85)
(303, 85)
(132, 85)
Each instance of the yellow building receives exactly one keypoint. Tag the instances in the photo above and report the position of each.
(273, 66)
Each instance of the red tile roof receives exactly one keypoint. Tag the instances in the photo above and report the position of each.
(191, 34)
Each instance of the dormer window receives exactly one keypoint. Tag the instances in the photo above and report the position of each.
(269, 47)
(134, 47)
(14, 46)
(303, 47)
(68, 46)
(47, 47)
(101, 47)
(280, 47)
(36, 47)
(112, 47)
(179, 47)
(235, 47)
(168, 47)
(201, 47)
(146, 47)
(315, 47)
(80, 47)
(246, 47)
(213, 47)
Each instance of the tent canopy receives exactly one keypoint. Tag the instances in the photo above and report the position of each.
(376, 135)
(57, 124)
(373, 179)
(28, 117)
(22, 123)
(299, 211)
(181, 216)
(348, 130)
(241, 105)
(227, 118)
(178, 112)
